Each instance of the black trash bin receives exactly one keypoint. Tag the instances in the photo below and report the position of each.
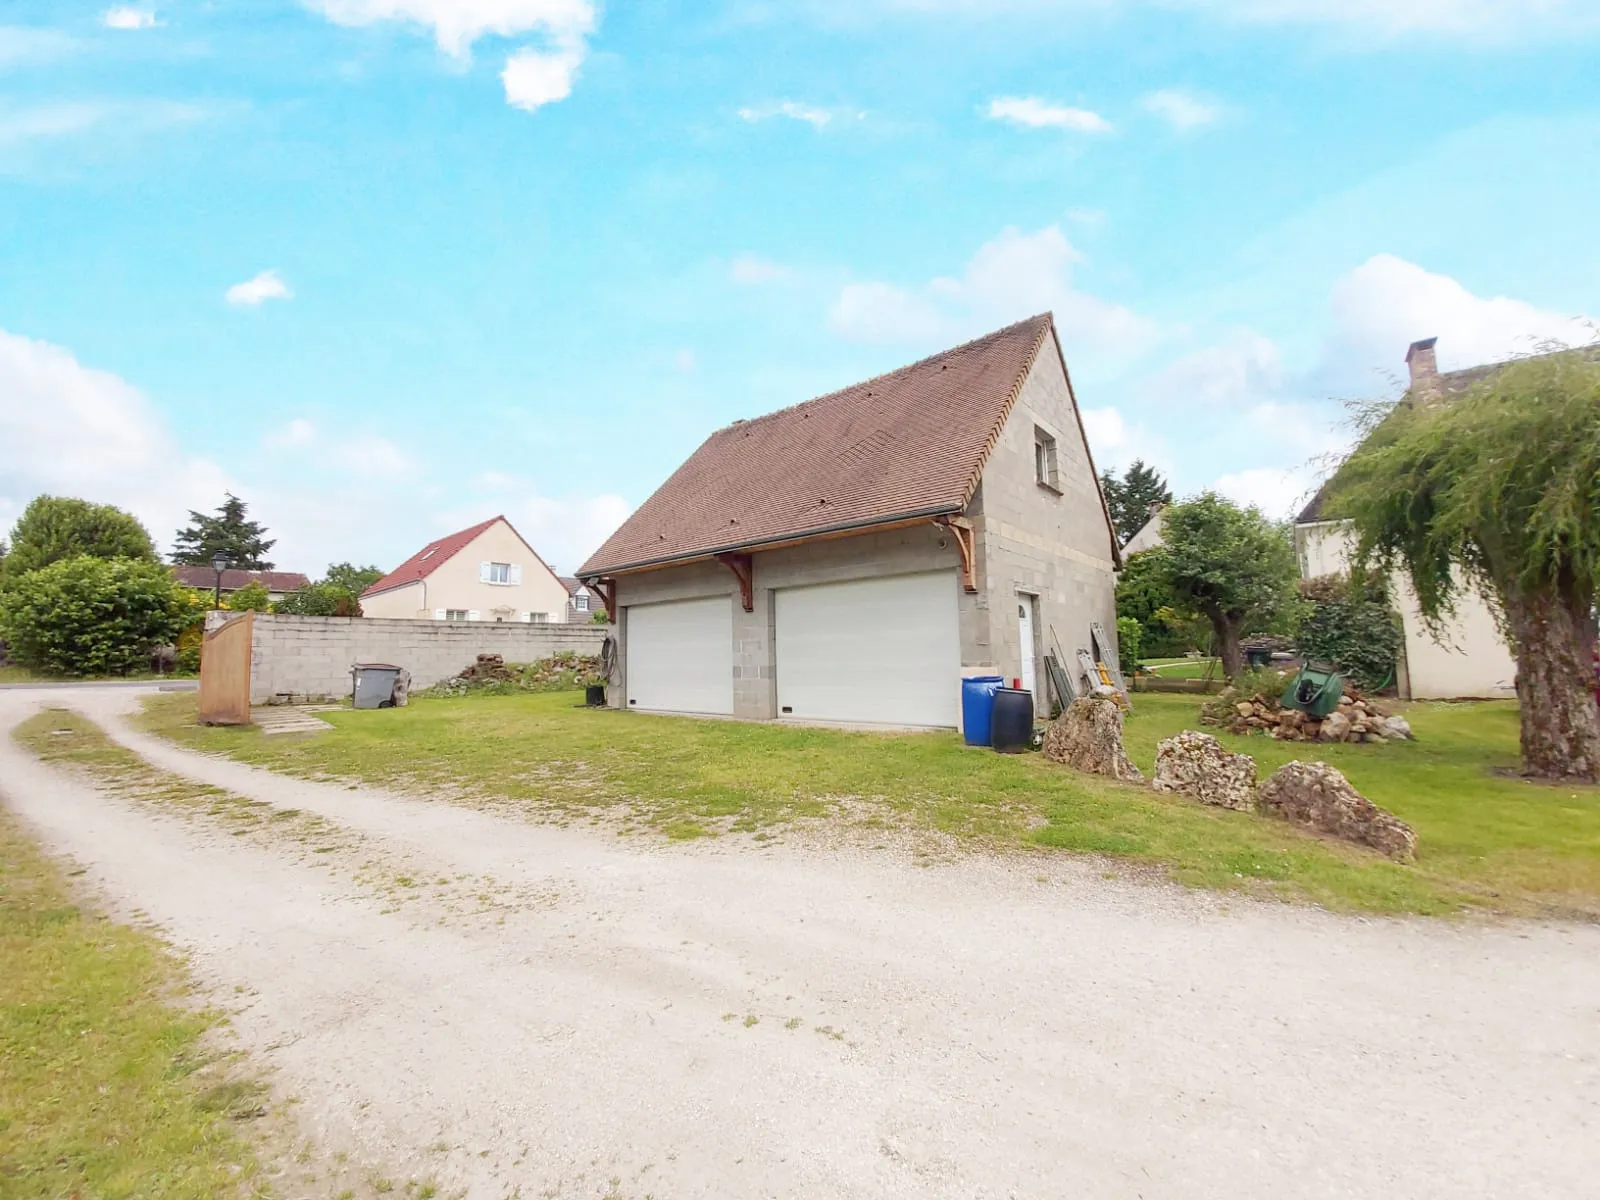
(594, 695)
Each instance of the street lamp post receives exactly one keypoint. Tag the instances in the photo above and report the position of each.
(219, 563)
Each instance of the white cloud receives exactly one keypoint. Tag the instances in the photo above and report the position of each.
(1010, 277)
(125, 16)
(1106, 430)
(1386, 303)
(1033, 113)
(812, 115)
(71, 430)
(268, 285)
(1181, 109)
(751, 270)
(1277, 491)
(298, 432)
(532, 76)
(68, 429)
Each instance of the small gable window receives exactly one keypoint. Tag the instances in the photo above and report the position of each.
(581, 602)
(501, 573)
(1044, 460)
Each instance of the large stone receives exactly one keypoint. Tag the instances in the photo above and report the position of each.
(1195, 765)
(1319, 797)
(1397, 727)
(1335, 727)
(1088, 736)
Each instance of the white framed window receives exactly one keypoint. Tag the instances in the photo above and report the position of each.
(538, 618)
(1044, 460)
(581, 602)
(455, 614)
(496, 572)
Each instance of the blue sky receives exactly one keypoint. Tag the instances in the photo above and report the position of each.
(387, 267)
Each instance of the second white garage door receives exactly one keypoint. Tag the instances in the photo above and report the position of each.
(881, 651)
(680, 656)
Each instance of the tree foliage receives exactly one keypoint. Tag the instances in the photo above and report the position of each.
(91, 616)
(1131, 497)
(1351, 624)
(53, 528)
(1145, 594)
(352, 579)
(1233, 566)
(1130, 636)
(321, 600)
(243, 541)
(252, 597)
(1498, 491)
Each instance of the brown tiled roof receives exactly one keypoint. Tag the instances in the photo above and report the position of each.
(233, 580)
(1450, 385)
(906, 444)
(425, 561)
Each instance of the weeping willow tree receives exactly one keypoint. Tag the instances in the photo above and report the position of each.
(1498, 491)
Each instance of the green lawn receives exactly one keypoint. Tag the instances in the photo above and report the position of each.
(105, 1087)
(1487, 840)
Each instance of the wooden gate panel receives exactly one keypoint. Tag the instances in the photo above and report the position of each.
(225, 672)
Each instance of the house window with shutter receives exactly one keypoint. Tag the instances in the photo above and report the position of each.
(538, 618)
(455, 614)
(1044, 460)
(496, 573)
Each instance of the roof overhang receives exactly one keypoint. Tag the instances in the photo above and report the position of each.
(821, 534)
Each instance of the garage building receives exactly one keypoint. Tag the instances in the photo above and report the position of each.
(848, 560)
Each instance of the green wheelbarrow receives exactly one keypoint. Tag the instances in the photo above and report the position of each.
(1315, 691)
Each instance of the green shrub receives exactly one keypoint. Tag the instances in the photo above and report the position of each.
(321, 600)
(1129, 635)
(92, 616)
(252, 597)
(1352, 626)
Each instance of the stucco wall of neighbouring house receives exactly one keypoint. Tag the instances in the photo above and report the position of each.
(1468, 660)
(456, 586)
(299, 658)
(1045, 550)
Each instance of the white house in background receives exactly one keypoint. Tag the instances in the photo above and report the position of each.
(485, 573)
(1149, 535)
(1469, 660)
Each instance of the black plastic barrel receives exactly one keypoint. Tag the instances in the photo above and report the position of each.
(1012, 722)
(594, 695)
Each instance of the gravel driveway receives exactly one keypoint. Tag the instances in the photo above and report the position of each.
(728, 1020)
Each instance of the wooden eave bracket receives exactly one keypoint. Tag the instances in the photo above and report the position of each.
(608, 593)
(744, 572)
(961, 529)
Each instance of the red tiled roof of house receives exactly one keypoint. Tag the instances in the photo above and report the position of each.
(425, 561)
(205, 578)
(906, 444)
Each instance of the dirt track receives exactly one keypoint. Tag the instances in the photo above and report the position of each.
(976, 1029)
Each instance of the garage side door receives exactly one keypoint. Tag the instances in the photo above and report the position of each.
(885, 651)
(680, 656)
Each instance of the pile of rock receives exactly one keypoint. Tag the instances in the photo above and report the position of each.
(490, 673)
(1313, 795)
(1357, 719)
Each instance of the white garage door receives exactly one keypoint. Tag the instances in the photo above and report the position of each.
(886, 651)
(680, 656)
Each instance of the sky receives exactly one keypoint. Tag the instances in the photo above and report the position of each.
(386, 268)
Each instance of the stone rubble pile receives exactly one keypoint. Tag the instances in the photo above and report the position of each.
(1319, 797)
(1194, 764)
(1357, 719)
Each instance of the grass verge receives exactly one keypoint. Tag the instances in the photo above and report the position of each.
(107, 1089)
(1487, 841)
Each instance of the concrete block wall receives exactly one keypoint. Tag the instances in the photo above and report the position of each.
(1048, 550)
(296, 658)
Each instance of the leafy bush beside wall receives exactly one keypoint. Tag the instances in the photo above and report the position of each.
(92, 616)
(1352, 626)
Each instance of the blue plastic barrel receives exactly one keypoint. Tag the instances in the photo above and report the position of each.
(977, 707)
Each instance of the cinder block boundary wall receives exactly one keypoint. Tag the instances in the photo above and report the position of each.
(293, 659)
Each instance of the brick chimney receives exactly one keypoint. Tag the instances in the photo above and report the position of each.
(1424, 365)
